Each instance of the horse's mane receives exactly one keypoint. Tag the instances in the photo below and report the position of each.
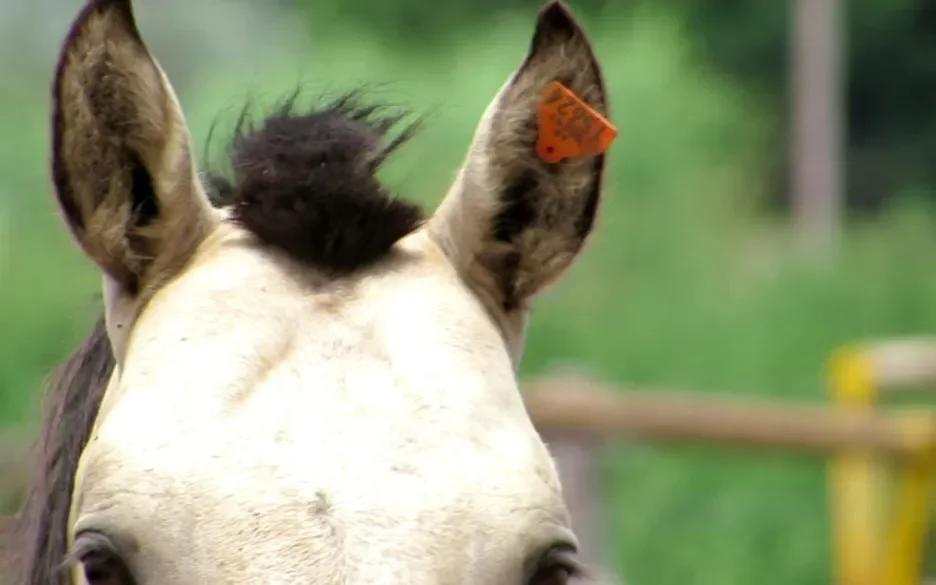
(302, 182)
(73, 395)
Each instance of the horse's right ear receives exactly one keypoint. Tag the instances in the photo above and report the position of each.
(121, 153)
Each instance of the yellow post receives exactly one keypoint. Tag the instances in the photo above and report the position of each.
(903, 561)
(856, 519)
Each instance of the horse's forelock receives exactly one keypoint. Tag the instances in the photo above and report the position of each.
(305, 182)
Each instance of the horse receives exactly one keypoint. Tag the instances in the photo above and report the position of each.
(297, 376)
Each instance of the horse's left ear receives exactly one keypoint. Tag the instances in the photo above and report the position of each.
(517, 216)
(121, 153)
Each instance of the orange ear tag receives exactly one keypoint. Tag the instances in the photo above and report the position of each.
(568, 127)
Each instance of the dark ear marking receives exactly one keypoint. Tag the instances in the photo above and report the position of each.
(144, 202)
(554, 23)
(586, 220)
(518, 207)
(506, 268)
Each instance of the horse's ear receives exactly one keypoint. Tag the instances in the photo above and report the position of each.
(121, 154)
(515, 219)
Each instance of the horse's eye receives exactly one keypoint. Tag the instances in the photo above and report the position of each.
(557, 567)
(102, 569)
(100, 561)
(554, 575)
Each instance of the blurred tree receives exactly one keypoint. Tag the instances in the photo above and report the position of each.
(418, 21)
(891, 78)
(891, 53)
(212, 30)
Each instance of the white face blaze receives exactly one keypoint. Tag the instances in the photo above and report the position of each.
(271, 421)
(369, 434)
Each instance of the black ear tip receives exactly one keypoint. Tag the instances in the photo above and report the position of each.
(124, 8)
(121, 10)
(555, 16)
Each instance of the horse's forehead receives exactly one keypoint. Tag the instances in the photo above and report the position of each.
(394, 488)
(231, 275)
(375, 422)
(235, 289)
(194, 514)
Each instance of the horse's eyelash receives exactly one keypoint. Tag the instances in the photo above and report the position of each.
(88, 543)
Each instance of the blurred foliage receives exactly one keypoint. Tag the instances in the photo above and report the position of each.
(891, 80)
(684, 283)
(891, 77)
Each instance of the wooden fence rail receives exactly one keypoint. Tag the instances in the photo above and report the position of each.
(573, 413)
(589, 407)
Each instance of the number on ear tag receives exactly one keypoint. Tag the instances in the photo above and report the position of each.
(568, 127)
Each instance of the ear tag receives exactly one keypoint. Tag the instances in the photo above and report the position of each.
(568, 127)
